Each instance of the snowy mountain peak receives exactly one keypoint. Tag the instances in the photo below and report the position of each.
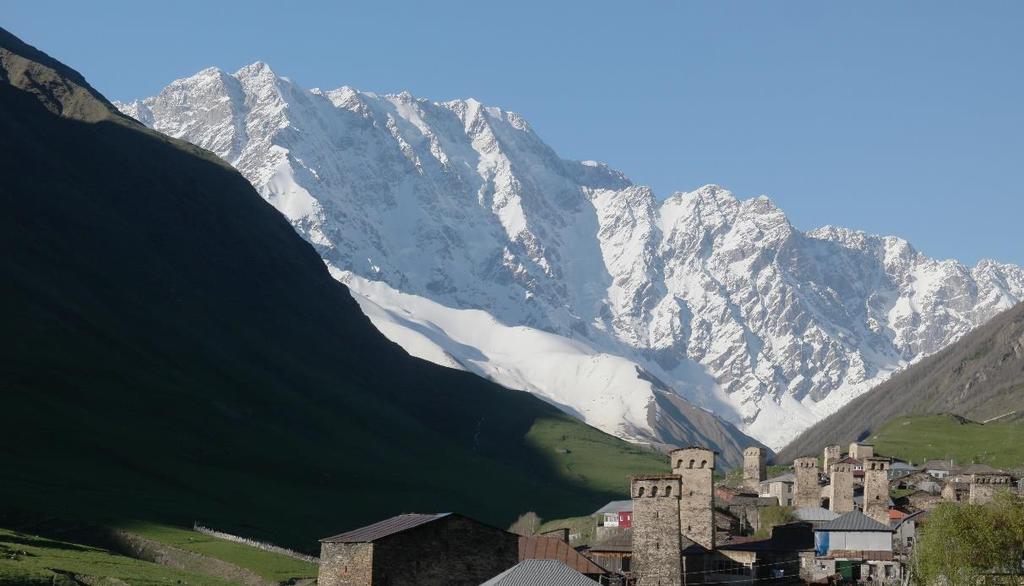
(473, 244)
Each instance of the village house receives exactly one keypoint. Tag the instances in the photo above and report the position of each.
(855, 547)
(939, 468)
(815, 515)
(417, 550)
(544, 547)
(779, 487)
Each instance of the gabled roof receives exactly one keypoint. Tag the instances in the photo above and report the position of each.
(815, 514)
(850, 460)
(853, 521)
(533, 572)
(937, 465)
(784, 477)
(384, 528)
(620, 542)
(538, 547)
(616, 507)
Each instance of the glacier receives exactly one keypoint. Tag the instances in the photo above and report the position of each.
(694, 318)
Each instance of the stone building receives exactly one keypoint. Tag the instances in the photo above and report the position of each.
(831, 455)
(876, 489)
(840, 488)
(657, 539)
(780, 487)
(808, 490)
(417, 549)
(861, 451)
(985, 485)
(755, 468)
(695, 467)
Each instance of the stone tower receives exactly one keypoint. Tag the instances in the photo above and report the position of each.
(985, 485)
(657, 547)
(754, 469)
(695, 468)
(807, 491)
(840, 499)
(876, 489)
(832, 455)
(859, 451)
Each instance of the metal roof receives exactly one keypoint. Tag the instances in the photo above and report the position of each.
(784, 477)
(853, 521)
(534, 572)
(616, 507)
(538, 547)
(384, 528)
(815, 514)
(621, 542)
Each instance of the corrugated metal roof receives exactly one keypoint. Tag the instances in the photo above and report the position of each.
(854, 521)
(616, 507)
(538, 547)
(815, 514)
(380, 529)
(534, 572)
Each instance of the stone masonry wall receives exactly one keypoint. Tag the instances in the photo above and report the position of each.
(808, 491)
(876, 489)
(657, 549)
(832, 454)
(345, 564)
(754, 468)
(841, 488)
(984, 487)
(696, 469)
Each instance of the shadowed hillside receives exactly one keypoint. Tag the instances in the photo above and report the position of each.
(980, 377)
(173, 351)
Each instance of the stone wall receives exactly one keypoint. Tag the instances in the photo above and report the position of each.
(841, 488)
(831, 455)
(657, 547)
(861, 452)
(345, 564)
(985, 486)
(696, 468)
(451, 551)
(754, 468)
(876, 489)
(808, 491)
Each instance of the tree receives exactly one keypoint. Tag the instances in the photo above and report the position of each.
(769, 517)
(527, 524)
(972, 544)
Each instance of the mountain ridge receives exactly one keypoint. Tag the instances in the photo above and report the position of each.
(722, 299)
(981, 376)
(175, 351)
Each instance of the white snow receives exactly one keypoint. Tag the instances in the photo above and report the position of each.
(472, 244)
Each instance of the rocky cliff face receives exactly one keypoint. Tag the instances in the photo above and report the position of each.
(460, 230)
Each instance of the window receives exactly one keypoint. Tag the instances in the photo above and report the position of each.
(654, 491)
(691, 463)
(703, 463)
(668, 491)
(640, 492)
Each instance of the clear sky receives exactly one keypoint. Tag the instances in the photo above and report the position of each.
(901, 118)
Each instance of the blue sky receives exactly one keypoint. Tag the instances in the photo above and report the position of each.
(899, 118)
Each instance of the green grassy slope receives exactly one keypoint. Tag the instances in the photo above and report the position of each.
(28, 559)
(174, 352)
(269, 565)
(944, 437)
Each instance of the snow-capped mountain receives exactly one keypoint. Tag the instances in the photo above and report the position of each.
(469, 241)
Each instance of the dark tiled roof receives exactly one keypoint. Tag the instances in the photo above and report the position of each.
(534, 572)
(538, 547)
(384, 528)
(853, 521)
